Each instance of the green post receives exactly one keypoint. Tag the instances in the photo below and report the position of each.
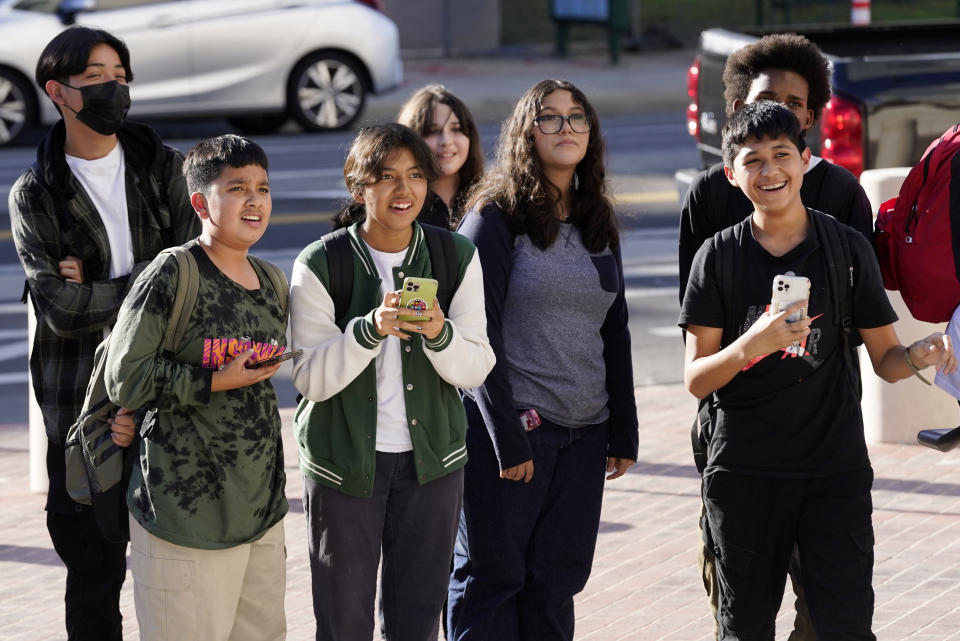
(563, 28)
(619, 23)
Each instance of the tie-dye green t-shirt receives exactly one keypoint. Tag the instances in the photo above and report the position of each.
(211, 470)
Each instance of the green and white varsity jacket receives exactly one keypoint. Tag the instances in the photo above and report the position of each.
(336, 422)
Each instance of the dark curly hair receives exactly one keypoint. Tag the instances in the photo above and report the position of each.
(787, 51)
(366, 158)
(518, 185)
(417, 113)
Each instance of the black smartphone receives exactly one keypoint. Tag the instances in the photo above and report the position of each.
(279, 358)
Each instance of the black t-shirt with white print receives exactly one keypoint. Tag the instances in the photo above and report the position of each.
(793, 413)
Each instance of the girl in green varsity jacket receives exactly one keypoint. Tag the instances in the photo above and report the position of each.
(381, 427)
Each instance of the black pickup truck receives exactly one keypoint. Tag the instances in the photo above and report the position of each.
(895, 88)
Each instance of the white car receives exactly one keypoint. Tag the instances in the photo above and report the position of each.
(256, 62)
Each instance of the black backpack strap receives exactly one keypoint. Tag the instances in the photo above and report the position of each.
(443, 262)
(339, 253)
(836, 250)
(725, 257)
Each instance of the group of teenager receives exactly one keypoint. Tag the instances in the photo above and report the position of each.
(462, 453)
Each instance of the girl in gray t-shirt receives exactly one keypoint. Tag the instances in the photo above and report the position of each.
(558, 408)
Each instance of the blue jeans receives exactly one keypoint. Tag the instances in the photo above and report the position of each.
(525, 549)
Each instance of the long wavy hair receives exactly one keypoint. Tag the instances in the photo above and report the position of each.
(417, 113)
(366, 158)
(517, 182)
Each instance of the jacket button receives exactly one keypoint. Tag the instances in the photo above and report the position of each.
(409, 386)
(419, 461)
(370, 398)
(366, 477)
(369, 436)
(413, 422)
(399, 274)
(407, 348)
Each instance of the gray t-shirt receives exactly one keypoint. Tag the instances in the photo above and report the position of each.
(557, 301)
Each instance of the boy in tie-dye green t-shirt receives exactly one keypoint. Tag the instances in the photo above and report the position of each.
(207, 498)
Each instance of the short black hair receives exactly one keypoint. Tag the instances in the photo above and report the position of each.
(207, 160)
(761, 120)
(67, 54)
(786, 51)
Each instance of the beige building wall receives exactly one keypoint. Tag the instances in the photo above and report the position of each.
(445, 27)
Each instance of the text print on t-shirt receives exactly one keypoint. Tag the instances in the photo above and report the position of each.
(217, 352)
(808, 346)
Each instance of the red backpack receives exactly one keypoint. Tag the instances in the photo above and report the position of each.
(918, 233)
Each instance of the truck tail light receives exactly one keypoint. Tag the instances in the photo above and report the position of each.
(841, 130)
(693, 90)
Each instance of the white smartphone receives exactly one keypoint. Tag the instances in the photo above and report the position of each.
(787, 290)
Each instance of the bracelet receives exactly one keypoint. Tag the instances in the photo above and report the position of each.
(913, 368)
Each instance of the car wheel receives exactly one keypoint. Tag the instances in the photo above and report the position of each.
(326, 92)
(18, 107)
(262, 124)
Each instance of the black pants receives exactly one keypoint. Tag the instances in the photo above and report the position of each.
(753, 525)
(414, 527)
(96, 567)
(95, 572)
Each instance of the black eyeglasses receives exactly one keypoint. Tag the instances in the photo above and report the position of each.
(552, 123)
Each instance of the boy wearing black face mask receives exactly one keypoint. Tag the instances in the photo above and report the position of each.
(102, 199)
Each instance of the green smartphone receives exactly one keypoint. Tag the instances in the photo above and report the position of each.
(417, 294)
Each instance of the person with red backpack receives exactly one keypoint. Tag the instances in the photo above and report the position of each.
(918, 233)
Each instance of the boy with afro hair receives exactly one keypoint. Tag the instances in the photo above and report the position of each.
(789, 69)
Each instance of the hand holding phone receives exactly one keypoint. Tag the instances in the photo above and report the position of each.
(787, 290)
(273, 360)
(417, 295)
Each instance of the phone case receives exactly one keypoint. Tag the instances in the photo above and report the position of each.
(279, 358)
(417, 294)
(788, 289)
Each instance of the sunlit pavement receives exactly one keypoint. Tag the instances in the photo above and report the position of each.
(644, 584)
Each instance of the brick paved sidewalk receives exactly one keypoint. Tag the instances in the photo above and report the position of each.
(644, 585)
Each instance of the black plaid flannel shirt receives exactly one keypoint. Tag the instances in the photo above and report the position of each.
(72, 318)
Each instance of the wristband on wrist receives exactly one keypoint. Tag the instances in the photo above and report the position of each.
(914, 368)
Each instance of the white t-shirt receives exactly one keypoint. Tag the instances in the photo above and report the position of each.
(393, 434)
(104, 180)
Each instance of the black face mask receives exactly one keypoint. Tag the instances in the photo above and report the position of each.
(105, 106)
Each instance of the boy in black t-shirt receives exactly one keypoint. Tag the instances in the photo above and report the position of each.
(787, 462)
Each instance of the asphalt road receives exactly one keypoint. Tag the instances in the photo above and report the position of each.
(307, 186)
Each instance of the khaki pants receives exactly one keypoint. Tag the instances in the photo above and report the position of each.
(184, 593)
(706, 561)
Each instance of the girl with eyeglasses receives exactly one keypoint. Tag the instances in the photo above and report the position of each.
(448, 128)
(557, 412)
